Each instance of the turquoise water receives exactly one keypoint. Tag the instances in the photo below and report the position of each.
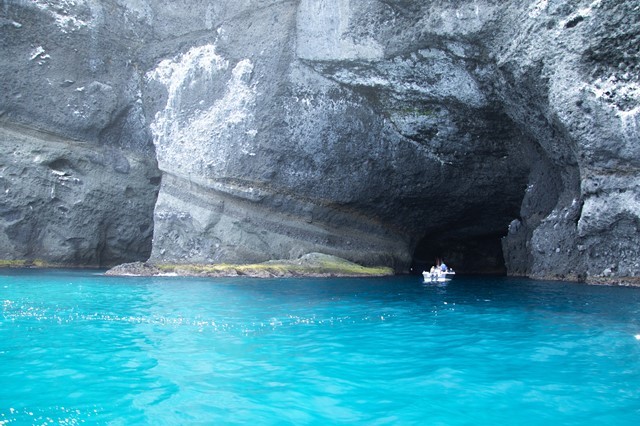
(80, 348)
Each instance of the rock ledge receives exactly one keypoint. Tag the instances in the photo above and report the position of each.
(309, 265)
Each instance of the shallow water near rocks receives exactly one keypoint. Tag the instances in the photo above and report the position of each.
(78, 347)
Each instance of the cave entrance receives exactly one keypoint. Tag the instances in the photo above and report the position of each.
(470, 255)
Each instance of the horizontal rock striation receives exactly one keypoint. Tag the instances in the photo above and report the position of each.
(383, 132)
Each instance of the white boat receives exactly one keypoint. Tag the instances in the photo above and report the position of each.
(438, 276)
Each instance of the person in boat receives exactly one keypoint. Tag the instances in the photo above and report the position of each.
(443, 267)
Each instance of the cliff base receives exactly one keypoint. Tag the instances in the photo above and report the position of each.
(309, 265)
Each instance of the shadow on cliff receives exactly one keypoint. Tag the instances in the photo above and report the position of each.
(477, 255)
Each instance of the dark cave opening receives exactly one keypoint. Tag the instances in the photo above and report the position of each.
(466, 255)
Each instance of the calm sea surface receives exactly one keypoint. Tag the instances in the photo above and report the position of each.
(80, 348)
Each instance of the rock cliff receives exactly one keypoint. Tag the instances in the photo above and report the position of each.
(78, 175)
(385, 132)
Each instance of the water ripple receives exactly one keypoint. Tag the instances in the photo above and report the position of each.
(77, 348)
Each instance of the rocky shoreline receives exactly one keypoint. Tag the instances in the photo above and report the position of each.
(614, 281)
(310, 265)
(314, 265)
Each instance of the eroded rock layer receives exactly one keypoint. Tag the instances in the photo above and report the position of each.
(366, 130)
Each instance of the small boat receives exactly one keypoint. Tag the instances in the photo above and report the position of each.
(438, 276)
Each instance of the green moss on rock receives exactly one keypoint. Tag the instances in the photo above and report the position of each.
(22, 263)
(310, 265)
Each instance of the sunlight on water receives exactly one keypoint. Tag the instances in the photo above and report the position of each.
(80, 348)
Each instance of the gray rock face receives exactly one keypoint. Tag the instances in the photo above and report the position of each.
(78, 175)
(578, 67)
(67, 203)
(318, 138)
(383, 132)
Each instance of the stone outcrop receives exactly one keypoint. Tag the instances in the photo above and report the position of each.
(309, 265)
(383, 132)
